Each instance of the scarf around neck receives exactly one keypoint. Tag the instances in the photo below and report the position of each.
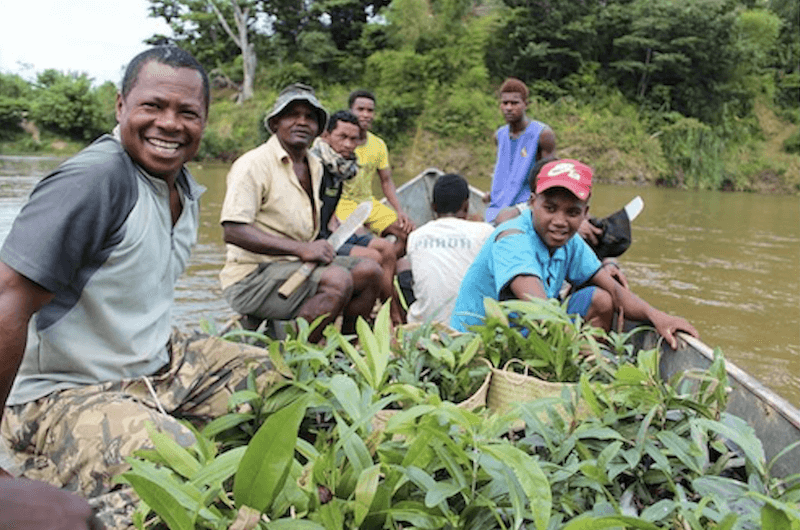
(342, 168)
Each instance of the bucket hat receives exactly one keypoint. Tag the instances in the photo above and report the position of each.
(297, 92)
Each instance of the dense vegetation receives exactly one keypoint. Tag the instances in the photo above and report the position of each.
(368, 436)
(701, 94)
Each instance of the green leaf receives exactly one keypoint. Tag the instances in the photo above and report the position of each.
(220, 469)
(469, 352)
(346, 392)
(630, 375)
(331, 515)
(162, 502)
(365, 491)
(530, 476)
(382, 334)
(268, 458)
(659, 511)
(587, 392)
(440, 492)
(494, 310)
(278, 362)
(176, 456)
(611, 521)
(294, 524)
(774, 519)
(223, 423)
(681, 448)
(358, 360)
(353, 446)
(369, 343)
(739, 432)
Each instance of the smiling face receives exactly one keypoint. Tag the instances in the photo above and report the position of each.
(343, 138)
(557, 214)
(513, 106)
(162, 118)
(297, 126)
(364, 109)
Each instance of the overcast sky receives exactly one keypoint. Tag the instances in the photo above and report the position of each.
(98, 37)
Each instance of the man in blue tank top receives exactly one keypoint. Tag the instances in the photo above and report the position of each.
(520, 143)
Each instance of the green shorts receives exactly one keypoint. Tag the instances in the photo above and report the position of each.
(257, 293)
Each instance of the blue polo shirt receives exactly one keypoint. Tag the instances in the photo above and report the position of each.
(521, 253)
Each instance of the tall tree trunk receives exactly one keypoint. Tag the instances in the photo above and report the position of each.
(241, 39)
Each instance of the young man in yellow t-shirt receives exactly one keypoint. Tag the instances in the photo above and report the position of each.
(373, 157)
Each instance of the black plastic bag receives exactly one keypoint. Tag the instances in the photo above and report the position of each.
(616, 236)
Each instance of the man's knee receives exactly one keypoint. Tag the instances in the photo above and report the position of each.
(336, 281)
(367, 253)
(384, 247)
(365, 273)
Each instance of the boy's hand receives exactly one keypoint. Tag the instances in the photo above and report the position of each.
(590, 233)
(668, 325)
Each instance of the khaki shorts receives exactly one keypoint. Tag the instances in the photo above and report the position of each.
(379, 220)
(257, 293)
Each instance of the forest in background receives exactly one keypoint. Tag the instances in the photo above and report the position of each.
(702, 94)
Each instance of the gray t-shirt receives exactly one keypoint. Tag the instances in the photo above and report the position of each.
(98, 233)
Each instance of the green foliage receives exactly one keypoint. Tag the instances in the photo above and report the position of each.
(652, 454)
(694, 153)
(67, 104)
(792, 143)
(12, 111)
(281, 75)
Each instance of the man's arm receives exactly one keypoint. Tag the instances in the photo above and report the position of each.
(487, 197)
(525, 287)
(31, 505)
(252, 239)
(637, 309)
(389, 189)
(20, 298)
(547, 144)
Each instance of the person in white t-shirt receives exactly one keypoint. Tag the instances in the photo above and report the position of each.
(441, 251)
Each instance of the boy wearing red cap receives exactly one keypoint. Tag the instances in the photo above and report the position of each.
(532, 255)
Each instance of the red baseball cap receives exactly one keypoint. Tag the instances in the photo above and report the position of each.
(571, 174)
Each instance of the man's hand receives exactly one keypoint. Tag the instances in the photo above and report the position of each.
(487, 197)
(405, 223)
(590, 233)
(31, 505)
(668, 325)
(319, 251)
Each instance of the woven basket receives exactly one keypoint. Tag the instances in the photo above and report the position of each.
(509, 387)
(476, 400)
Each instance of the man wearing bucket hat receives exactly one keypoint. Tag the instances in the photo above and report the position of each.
(531, 256)
(271, 217)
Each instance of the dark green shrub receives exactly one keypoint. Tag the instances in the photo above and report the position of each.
(694, 154)
(792, 144)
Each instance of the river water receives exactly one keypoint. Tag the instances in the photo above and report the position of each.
(728, 262)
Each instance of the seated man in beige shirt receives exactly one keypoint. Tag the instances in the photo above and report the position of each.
(271, 217)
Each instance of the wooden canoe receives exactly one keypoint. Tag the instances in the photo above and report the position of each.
(775, 421)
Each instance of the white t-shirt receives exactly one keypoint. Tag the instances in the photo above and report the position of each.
(441, 251)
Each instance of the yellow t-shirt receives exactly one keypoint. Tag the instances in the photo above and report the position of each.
(372, 156)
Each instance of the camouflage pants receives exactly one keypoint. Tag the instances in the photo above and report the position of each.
(77, 439)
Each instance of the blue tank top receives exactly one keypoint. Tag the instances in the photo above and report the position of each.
(510, 184)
